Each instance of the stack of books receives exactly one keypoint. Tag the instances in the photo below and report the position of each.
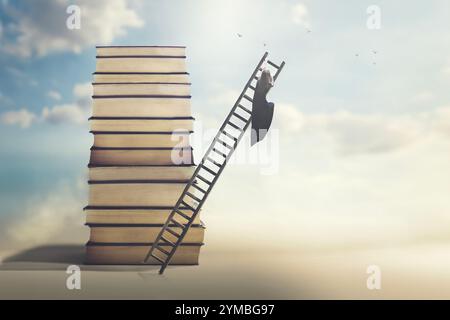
(141, 158)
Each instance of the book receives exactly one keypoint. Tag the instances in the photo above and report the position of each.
(141, 233)
(175, 106)
(141, 139)
(131, 215)
(136, 193)
(141, 124)
(141, 156)
(147, 88)
(141, 64)
(127, 77)
(126, 253)
(141, 50)
(172, 172)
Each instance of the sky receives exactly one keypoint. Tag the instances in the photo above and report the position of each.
(359, 152)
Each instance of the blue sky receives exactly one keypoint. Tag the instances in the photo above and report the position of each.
(363, 115)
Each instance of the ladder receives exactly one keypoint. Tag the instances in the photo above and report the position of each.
(208, 171)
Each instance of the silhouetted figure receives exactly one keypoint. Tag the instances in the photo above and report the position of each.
(262, 111)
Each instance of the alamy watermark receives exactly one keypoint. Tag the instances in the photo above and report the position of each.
(73, 281)
(374, 18)
(374, 279)
(73, 21)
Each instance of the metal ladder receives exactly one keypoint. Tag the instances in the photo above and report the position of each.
(208, 171)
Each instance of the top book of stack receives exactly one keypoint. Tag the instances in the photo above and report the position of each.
(141, 64)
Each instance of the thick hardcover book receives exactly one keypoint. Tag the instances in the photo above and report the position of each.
(126, 253)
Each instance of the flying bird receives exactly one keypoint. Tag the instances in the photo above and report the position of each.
(262, 111)
(239, 35)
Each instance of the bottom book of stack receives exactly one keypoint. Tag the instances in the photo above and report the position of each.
(130, 243)
(134, 253)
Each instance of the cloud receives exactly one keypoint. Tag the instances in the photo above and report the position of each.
(72, 113)
(66, 113)
(76, 112)
(423, 97)
(55, 95)
(357, 133)
(22, 118)
(289, 117)
(34, 33)
(442, 121)
(83, 93)
(57, 214)
(300, 16)
(224, 98)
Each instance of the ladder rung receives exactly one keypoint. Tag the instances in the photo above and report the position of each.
(162, 250)
(183, 215)
(244, 108)
(209, 170)
(234, 126)
(240, 117)
(188, 205)
(252, 87)
(198, 188)
(219, 152)
(204, 180)
(193, 197)
(168, 241)
(158, 258)
(213, 162)
(273, 64)
(223, 143)
(229, 135)
(173, 232)
(177, 223)
(248, 98)
(256, 77)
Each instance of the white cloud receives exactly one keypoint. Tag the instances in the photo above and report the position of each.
(442, 120)
(368, 133)
(83, 94)
(76, 112)
(423, 96)
(73, 113)
(57, 214)
(82, 90)
(55, 95)
(300, 15)
(224, 98)
(22, 118)
(358, 133)
(66, 113)
(101, 22)
(290, 119)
